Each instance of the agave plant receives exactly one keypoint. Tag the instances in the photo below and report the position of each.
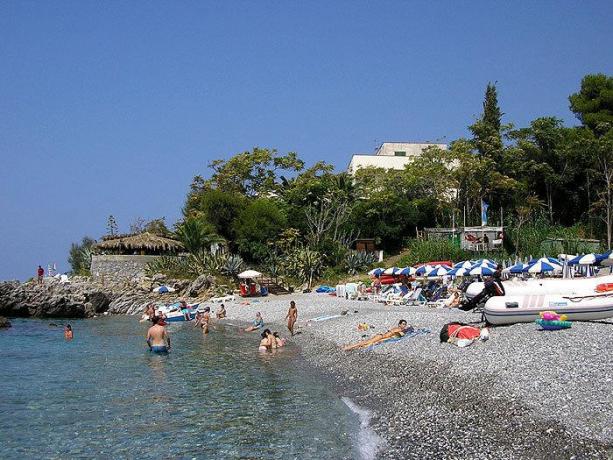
(356, 261)
(232, 266)
(305, 265)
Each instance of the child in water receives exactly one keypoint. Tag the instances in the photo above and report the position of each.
(68, 334)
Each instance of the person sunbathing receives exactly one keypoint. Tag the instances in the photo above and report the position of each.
(394, 332)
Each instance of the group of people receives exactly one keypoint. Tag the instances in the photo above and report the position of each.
(158, 339)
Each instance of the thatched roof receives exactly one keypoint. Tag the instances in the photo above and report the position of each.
(142, 241)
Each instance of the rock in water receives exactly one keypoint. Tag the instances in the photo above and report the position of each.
(4, 322)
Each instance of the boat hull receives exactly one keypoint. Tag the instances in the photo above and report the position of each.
(527, 308)
(547, 286)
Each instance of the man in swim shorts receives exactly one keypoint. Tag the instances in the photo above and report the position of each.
(158, 339)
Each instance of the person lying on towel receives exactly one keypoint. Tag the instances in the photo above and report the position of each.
(394, 332)
(492, 287)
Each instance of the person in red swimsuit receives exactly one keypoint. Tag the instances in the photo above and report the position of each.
(40, 273)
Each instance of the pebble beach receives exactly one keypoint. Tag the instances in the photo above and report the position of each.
(524, 393)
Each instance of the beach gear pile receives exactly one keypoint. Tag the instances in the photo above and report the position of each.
(463, 335)
(551, 321)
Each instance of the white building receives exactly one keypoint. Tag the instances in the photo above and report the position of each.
(390, 155)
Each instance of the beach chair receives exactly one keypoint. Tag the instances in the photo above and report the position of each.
(351, 291)
(416, 298)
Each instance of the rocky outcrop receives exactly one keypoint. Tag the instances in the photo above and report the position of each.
(84, 298)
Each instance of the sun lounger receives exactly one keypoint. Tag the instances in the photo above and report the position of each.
(417, 298)
(351, 291)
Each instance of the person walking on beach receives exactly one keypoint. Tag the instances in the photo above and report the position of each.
(158, 339)
(40, 273)
(292, 316)
(68, 334)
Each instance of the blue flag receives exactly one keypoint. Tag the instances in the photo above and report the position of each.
(484, 207)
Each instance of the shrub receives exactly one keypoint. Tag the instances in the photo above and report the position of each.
(357, 261)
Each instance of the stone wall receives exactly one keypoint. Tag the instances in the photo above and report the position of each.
(118, 267)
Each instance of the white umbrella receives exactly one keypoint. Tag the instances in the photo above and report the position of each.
(249, 274)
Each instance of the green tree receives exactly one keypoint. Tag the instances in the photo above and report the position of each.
(593, 104)
(252, 173)
(258, 224)
(221, 209)
(197, 237)
(158, 227)
(487, 135)
(80, 256)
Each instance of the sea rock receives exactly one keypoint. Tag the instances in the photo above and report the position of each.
(202, 283)
(4, 322)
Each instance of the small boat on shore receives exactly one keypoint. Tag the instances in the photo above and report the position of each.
(511, 309)
(547, 286)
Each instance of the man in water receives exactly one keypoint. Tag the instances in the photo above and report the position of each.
(157, 337)
(394, 332)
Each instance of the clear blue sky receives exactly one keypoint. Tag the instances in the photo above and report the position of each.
(112, 107)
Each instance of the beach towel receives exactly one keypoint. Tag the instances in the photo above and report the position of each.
(325, 289)
(324, 318)
(408, 335)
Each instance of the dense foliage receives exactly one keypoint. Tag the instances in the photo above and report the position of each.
(544, 180)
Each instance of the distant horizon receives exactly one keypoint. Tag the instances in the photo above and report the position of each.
(114, 109)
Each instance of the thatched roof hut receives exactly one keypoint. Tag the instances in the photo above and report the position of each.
(142, 243)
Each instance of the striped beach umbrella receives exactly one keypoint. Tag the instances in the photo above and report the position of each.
(465, 264)
(391, 271)
(542, 266)
(423, 270)
(376, 272)
(459, 271)
(515, 269)
(585, 259)
(439, 270)
(482, 270)
(407, 271)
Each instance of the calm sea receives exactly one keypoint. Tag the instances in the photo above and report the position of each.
(103, 395)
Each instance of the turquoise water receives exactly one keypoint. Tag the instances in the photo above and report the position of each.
(103, 395)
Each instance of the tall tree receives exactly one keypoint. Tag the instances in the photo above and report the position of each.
(593, 104)
(487, 135)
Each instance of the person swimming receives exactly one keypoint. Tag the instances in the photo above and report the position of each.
(279, 340)
(158, 339)
(266, 342)
(68, 334)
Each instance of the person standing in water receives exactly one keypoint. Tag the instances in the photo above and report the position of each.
(206, 318)
(158, 339)
(292, 316)
(68, 334)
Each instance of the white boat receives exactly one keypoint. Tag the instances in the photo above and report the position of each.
(545, 286)
(526, 308)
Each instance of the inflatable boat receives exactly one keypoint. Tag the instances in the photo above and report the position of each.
(511, 309)
(547, 286)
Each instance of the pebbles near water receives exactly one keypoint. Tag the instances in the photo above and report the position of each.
(523, 394)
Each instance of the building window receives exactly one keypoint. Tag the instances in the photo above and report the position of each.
(400, 154)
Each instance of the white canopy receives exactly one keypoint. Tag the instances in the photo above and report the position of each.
(249, 274)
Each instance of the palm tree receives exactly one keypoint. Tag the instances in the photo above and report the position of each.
(197, 237)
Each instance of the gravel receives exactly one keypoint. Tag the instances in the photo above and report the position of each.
(522, 394)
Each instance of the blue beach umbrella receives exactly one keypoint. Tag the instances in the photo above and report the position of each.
(459, 271)
(515, 269)
(542, 266)
(483, 270)
(376, 272)
(391, 271)
(585, 259)
(439, 270)
(424, 270)
(465, 264)
(407, 271)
